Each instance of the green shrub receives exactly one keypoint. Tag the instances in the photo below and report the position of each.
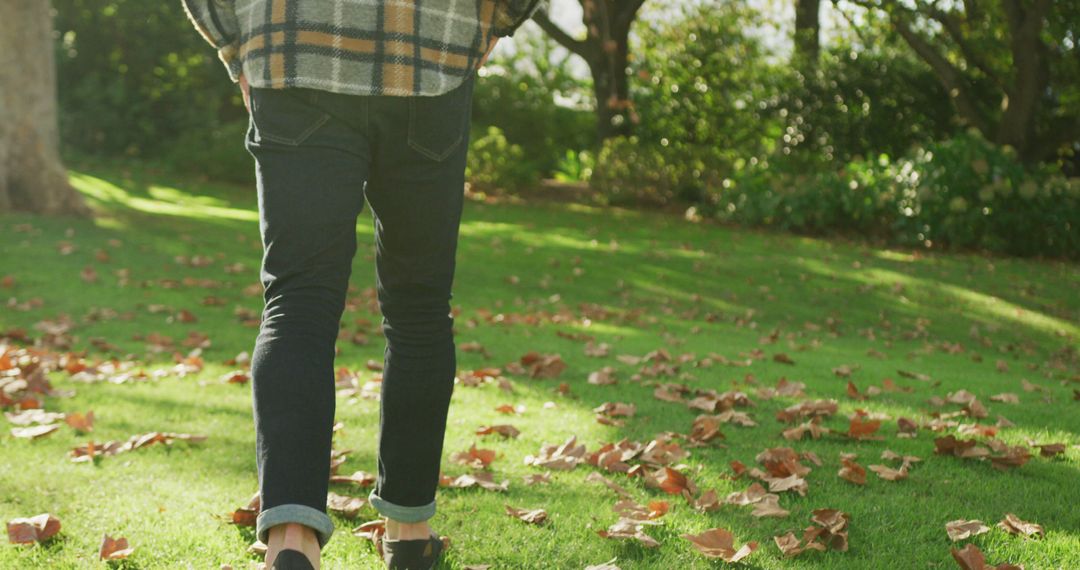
(575, 166)
(494, 163)
(630, 173)
(964, 192)
(533, 96)
(217, 154)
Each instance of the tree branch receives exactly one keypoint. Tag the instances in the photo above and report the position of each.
(950, 78)
(576, 46)
(952, 26)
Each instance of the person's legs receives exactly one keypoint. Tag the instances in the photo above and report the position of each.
(311, 168)
(416, 192)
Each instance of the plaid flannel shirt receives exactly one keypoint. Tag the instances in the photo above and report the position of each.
(359, 47)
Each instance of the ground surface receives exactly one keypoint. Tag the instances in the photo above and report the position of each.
(547, 278)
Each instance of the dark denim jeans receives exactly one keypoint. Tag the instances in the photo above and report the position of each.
(318, 154)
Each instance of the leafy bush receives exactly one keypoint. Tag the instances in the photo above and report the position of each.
(535, 100)
(630, 173)
(494, 163)
(964, 192)
(702, 86)
(134, 76)
(575, 167)
(218, 154)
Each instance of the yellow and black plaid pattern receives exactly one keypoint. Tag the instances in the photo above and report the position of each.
(363, 47)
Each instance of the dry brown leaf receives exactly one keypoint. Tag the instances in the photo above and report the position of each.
(564, 456)
(860, 429)
(603, 377)
(706, 502)
(344, 505)
(474, 457)
(1050, 449)
(114, 548)
(37, 528)
(1013, 525)
(609, 565)
(80, 422)
(789, 483)
(630, 509)
(538, 478)
(812, 427)
(807, 409)
(788, 544)
(720, 543)
(534, 516)
(505, 430)
(671, 481)
(769, 506)
(852, 471)
(971, 558)
(482, 479)
(34, 432)
(888, 473)
(543, 365)
(961, 529)
(629, 528)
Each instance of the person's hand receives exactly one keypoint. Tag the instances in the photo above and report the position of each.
(491, 46)
(245, 91)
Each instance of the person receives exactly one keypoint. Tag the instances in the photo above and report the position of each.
(354, 100)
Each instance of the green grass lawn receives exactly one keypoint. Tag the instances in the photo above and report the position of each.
(545, 277)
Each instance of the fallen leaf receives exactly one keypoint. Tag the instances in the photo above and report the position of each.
(482, 479)
(80, 422)
(1013, 525)
(629, 528)
(859, 429)
(474, 457)
(971, 558)
(534, 516)
(852, 471)
(37, 528)
(961, 529)
(34, 432)
(720, 543)
(346, 506)
(565, 456)
(769, 506)
(505, 430)
(114, 548)
(888, 473)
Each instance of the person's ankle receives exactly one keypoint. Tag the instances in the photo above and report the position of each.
(397, 530)
(294, 536)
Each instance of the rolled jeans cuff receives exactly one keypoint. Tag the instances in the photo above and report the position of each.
(400, 513)
(291, 513)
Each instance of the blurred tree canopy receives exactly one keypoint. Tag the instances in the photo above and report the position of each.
(1010, 67)
(133, 77)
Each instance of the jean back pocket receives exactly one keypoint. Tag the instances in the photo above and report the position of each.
(438, 124)
(286, 116)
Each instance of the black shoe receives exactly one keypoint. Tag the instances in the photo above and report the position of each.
(290, 559)
(418, 554)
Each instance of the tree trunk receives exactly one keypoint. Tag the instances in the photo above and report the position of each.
(807, 34)
(1031, 75)
(32, 177)
(612, 88)
(606, 49)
